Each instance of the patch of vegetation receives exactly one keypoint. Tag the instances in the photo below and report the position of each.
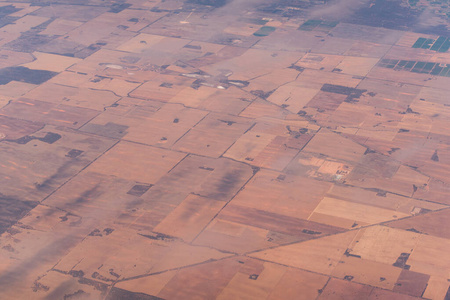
(214, 3)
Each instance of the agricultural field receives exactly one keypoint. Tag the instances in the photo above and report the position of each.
(224, 149)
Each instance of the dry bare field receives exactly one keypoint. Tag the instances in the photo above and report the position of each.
(214, 149)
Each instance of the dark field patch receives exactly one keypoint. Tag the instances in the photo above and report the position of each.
(74, 153)
(339, 89)
(317, 24)
(49, 138)
(12, 210)
(29, 42)
(195, 47)
(8, 9)
(5, 20)
(435, 156)
(4, 12)
(24, 74)
(423, 67)
(117, 8)
(119, 294)
(238, 83)
(447, 296)
(352, 93)
(441, 44)
(264, 31)
(76, 295)
(158, 236)
(401, 261)
(213, 3)
(139, 189)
